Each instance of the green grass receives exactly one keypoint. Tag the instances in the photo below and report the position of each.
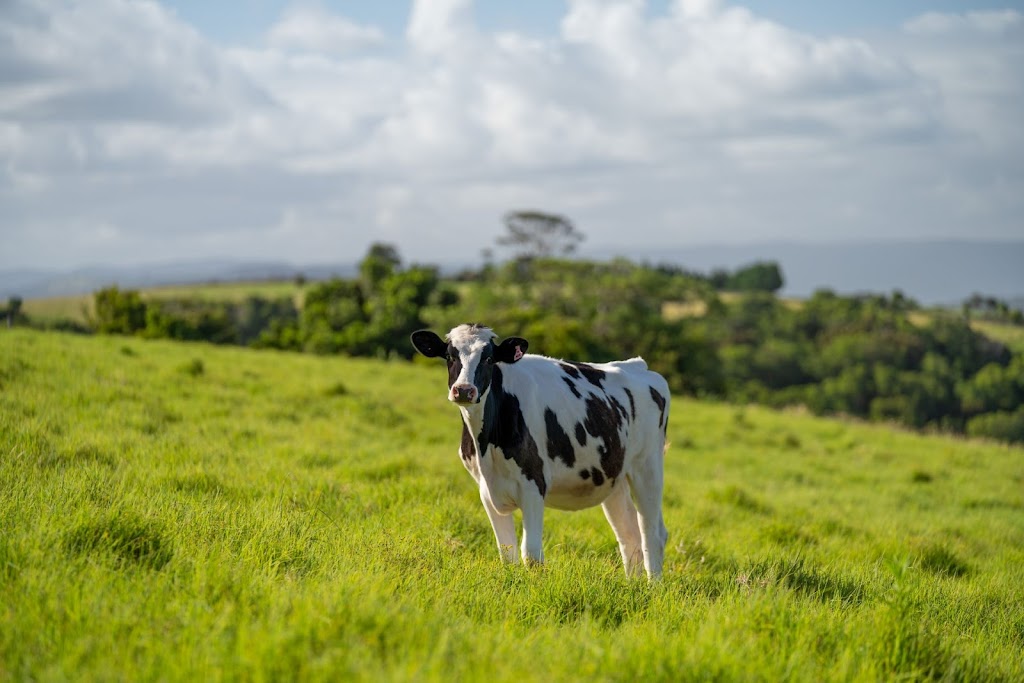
(186, 512)
(1011, 335)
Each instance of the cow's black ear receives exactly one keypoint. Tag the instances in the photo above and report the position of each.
(511, 350)
(429, 344)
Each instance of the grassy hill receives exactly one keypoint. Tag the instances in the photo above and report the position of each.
(187, 512)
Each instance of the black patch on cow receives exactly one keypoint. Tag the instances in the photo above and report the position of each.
(570, 370)
(619, 407)
(593, 375)
(584, 474)
(572, 387)
(660, 400)
(581, 434)
(482, 376)
(505, 427)
(632, 404)
(559, 445)
(602, 421)
(598, 476)
(454, 361)
(468, 443)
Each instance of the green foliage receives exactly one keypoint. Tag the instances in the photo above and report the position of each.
(380, 263)
(12, 314)
(874, 356)
(292, 517)
(863, 356)
(118, 311)
(374, 316)
(992, 309)
(594, 311)
(1002, 425)
(762, 276)
(993, 388)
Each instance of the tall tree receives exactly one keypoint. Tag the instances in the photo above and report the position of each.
(381, 261)
(535, 234)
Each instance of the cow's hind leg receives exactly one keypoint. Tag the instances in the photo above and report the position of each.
(504, 530)
(647, 483)
(621, 514)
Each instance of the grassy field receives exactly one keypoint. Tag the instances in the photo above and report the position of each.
(186, 512)
(1010, 335)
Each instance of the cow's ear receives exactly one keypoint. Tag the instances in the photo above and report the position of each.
(429, 344)
(511, 350)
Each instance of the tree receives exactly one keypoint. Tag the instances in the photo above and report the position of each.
(13, 310)
(536, 234)
(380, 263)
(118, 311)
(762, 276)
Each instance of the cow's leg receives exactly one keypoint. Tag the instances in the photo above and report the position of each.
(621, 514)
(533, 527)
(647, 482)
(504, 530)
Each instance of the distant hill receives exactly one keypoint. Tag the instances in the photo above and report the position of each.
(31, 284)
(934, 273)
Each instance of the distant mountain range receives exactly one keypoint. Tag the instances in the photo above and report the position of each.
(39, 283)
(933, 273)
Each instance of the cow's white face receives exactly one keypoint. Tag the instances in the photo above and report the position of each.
(471, 354)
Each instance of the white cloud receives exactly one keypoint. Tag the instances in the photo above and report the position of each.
(311, 28)
(706, 123)
(998, 22)
(438, 26)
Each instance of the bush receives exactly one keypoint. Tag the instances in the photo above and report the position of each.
(118, 311)
(1002, 425)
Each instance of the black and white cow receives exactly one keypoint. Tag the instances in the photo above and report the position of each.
(539, 432)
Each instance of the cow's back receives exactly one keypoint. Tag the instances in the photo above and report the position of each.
(591, 421)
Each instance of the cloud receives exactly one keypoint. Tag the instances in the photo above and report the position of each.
(439, 26)
(122, 126)
(1000, 22)
(311, 28)
(110, 61)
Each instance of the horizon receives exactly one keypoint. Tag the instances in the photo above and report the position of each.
(933, 272)
(583, 253)
(178, 130)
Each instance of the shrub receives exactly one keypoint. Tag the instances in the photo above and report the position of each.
(1002, 425)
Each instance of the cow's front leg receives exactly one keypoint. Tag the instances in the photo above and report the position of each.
(533, 527)
(504, 529)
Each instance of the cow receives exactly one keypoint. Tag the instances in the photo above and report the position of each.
(537, 431)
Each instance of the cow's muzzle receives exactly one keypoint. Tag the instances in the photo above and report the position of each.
(463, 394)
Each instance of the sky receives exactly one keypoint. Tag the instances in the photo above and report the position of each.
(136, 131)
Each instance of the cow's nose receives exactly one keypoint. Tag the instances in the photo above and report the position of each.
(463, 393)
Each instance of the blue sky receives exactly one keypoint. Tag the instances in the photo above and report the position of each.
(246, 21)
(143, 131)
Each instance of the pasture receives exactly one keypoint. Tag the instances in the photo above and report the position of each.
(176, 511)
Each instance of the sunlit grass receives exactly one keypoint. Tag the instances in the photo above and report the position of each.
(187, 512)
(1011, 335)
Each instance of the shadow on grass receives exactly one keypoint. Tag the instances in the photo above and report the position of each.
(125, 538)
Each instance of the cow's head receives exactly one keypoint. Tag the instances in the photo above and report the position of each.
(471, 353)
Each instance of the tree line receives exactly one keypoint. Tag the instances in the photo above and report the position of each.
(875, 357)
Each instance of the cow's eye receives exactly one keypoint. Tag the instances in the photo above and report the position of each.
(489, 360)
